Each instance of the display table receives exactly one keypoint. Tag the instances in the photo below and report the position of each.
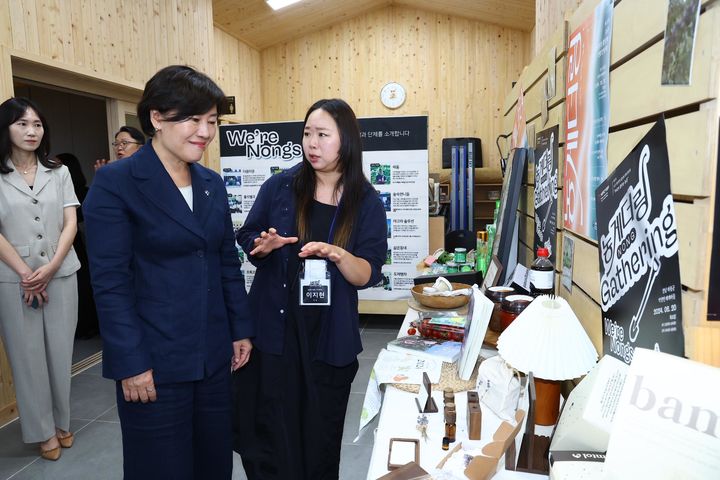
(398, 419)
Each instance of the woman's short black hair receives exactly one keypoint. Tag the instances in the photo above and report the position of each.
(11, 110)
(133, 132)
(178, 92)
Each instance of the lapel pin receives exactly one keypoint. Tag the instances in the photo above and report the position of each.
(207, 193)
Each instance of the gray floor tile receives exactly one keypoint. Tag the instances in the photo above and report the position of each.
(360, 382)
(94, 370)
(97, 453)
(91, 396)
(374, 341)
(110, 416)
(354, 461)
(14, 454)
(84, 348)
(382, 323)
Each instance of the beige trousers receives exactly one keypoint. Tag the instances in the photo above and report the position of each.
(39, 344)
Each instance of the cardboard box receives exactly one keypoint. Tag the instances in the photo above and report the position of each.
(576, 465)
(587, 415)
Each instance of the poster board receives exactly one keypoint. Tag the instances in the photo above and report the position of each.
(587, 118)
(640, 287)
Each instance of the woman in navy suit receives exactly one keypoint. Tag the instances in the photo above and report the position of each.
(168, 287)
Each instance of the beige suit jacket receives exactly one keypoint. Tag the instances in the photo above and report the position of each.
(32, 219)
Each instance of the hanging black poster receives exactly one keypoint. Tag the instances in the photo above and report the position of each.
(638, 245)
(546, 190)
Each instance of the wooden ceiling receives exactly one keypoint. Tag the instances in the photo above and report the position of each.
(258, 25)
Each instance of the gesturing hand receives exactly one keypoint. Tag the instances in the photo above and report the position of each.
(322, 250)
(139, 388)
(269, 241)
(241, 353)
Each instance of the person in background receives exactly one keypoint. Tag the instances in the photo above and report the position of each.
(319, 216)
(168, 287)
(128, 140)
(38, 289)
(87, 325)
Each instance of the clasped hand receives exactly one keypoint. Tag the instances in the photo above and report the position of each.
(34, 284)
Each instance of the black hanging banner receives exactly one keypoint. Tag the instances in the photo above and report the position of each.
(546, 190)
(638, 245)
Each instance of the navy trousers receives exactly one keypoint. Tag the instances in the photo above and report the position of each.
(185, 434)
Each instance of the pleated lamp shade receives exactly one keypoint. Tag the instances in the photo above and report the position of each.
(548, 340)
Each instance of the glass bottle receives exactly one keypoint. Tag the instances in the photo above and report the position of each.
(481, 252)
(542, 274)
(450, 426)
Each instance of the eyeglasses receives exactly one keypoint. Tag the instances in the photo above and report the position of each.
(123, 144)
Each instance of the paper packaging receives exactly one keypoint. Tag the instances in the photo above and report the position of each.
(576, 465)
(484, 467)
(667, 422)
(588, 413)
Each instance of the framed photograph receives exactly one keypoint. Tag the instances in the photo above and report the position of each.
(492, 276)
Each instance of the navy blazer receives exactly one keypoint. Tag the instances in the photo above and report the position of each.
(167, 282)
(339, 341)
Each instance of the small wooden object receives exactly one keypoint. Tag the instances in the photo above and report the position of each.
(534, 449)
(474, 418)
(424, 401)
(393, 466)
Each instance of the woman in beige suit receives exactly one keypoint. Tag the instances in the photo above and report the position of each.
(38, 290)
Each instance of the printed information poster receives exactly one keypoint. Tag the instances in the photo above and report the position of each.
(546, 188)
(588, 118)
(639, 269)
(395, 160)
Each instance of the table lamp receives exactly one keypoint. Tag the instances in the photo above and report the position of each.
(548, 340)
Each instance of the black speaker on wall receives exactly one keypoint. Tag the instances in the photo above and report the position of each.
(472, 146)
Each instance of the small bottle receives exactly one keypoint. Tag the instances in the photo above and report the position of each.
(460, 255)
(481, 252)
(542, 274)
(450, 426)
(445, 443)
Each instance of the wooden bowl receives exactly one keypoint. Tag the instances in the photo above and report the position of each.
(437, 301)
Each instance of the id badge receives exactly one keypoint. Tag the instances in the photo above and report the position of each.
(315, 284)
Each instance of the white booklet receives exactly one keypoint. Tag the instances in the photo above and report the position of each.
(666, 425)
(476, 325)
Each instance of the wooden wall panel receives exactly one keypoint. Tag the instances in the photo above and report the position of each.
(111, 48)
(635, 86)
(124, 39)
(692, 137)
(549, 15)
(455, 70)
(689, 140)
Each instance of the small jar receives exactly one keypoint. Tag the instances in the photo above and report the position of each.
(512, 306)
(466, 267)
(460, 255)
(451, 267)
(497, 295)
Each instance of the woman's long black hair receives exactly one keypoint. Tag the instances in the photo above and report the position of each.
(352, 181)
(10, 111)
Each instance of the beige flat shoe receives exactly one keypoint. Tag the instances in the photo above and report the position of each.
(67, 440)
(52, 454)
